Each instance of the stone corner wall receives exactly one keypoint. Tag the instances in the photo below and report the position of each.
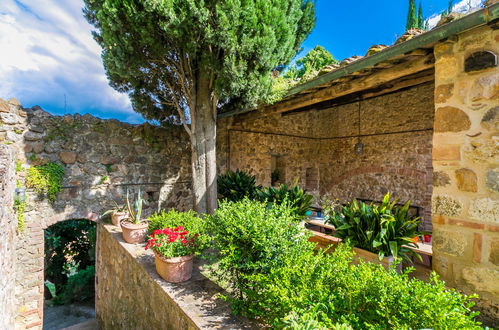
(465, 202)
(8, 219)
(130, 294)
(102, 160)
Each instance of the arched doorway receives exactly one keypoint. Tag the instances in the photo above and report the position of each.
(69, 273)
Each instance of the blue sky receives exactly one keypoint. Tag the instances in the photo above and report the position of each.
(48, 56)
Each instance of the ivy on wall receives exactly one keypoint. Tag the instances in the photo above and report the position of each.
(46, 179)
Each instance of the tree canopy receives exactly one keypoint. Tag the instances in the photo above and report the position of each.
(182, 60)
(412, 17)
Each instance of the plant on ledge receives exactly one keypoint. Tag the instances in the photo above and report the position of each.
(134, 229)
(118, 213)
(297, 198)
(174, 250)
(383, 229)
(234, 186)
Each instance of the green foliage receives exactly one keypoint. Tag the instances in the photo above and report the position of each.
(174, 242)
(69, 248)
(383, 229)
(134, 208)
(420, 17)
(295, 197)
(275, 275)
(20, 208)
(79, 287)
(190, 220)
(251, 238)
(19, 166)
(46, 179)
(154, 50)
(234, 186)
(305, 68)
(412, 18)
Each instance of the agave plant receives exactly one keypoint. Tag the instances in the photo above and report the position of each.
(135, 208)
(296, 198)
(234, 186)
(384, 229)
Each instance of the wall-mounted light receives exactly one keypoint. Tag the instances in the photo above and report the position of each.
(359, 146)
(20, 195)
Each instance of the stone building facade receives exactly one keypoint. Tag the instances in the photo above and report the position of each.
(316, 148)
(102, 159)
(466, 161)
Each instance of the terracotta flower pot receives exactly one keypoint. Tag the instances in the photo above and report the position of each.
(174, 270)
(134, 233)
(117, 217)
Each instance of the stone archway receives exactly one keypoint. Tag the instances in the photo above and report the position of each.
(102, 159)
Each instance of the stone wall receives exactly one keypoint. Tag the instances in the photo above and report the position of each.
(396, 132)
(102, 160)
(466, 163)
(131, 295)
(8, 221)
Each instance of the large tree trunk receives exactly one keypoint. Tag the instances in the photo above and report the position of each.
(203, 146)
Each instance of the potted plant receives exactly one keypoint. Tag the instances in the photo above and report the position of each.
(118, 213)
(174, 250)
(385, 232)
(134, 229)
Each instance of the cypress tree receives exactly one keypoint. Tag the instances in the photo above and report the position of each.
(182, 60)
(420, 16)
(412, 19)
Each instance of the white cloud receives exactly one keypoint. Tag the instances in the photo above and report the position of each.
(47, 53)
(463, 6)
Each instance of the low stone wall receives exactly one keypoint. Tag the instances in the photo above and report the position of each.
(131, 295)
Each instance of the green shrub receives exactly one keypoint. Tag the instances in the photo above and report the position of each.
(328, 290)
(251, 239)
(383, 229)
(46, 179)
(274, 274)
(80, 287)
(234, 186)
(294, 196)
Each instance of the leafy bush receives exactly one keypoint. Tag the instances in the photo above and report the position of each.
(234, 186)
(46, 179)
(295, 197)
(383, 229)
(275, 275)
(251, 239)
(80, 287)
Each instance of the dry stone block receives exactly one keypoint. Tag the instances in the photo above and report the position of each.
(67, 157)
(483, 150)
(482, 279)
(440, 179)
(492, 180)
(490, 120)
(452, 243)
(445, 205)
(32, 136)
(450, 119)
(4, 106)
(9, 118)
(466, 180)
(446, 67)
(485, 209)
(443, 92)
(486, 87)
(448, 152)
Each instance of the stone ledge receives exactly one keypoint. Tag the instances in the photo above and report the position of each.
(131, 295)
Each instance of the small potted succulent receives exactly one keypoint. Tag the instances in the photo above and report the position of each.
(118, 213)
(174, 250)
(134, 229)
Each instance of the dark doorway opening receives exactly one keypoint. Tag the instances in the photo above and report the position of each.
(69, 273)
